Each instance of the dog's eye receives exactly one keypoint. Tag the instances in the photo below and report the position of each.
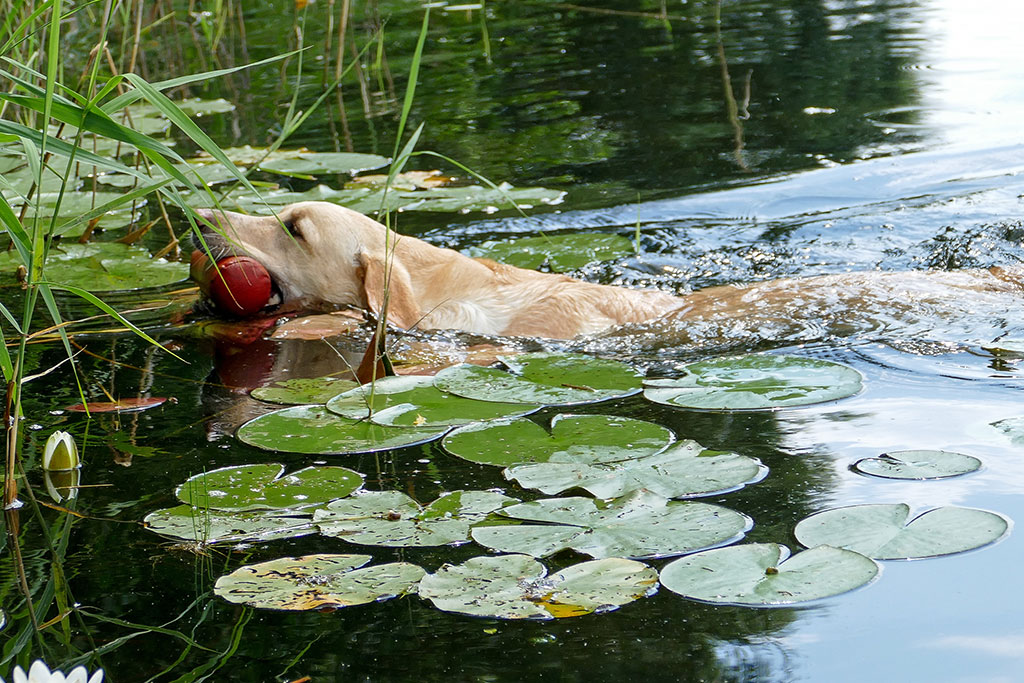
(293, 229)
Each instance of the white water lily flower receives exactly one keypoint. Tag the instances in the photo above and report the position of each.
(61, 452)
(40, 673)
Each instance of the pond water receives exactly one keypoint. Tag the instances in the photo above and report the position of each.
(877, 135)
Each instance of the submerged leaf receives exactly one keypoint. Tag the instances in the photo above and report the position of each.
(560, 253)
(754, 575)
(317, 582)
(314, 429)
(123, 405)
(641, 525)
(757, 382)
(517, 587)
(573, 439)
(391, 518)
(262, 487)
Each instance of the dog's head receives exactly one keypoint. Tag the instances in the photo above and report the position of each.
(318, 254)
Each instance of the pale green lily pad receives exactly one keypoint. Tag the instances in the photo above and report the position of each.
(316, 163)
(684, 470)
(102, 267)
(573, 438)
(195, 106)
(317, 582)
(476, 198)
(266, 487)
(414, 401)
(543, 378)
(393, 519)
(918, 465)
(316, 430)
(297, 392)
(640, 525)
(757, 382)
(755, 575)
(560, 253)
(518, 587)
(886, 532)
(1012, 427)
(208, 527)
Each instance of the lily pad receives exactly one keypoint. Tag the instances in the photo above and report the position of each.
(208, 527)
(640, 525)
(757, 382)
(886, 532)
(918, 465)
(316, 163)
(414, 401)
(573, 439)
(543, 378)
(684, 470)
(393, 519)
(123, 405)
(297, 392)
(476, 198)
(262, 487)
(1012, 427)
(314, 429)
(759, 575)
(518, 587)
(317, 582)
(103, 267)
(560, 253)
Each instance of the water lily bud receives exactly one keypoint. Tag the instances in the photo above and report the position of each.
(61, 452)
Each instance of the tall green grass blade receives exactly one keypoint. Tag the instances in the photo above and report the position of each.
(19, 237)
(66, 149)
(51, 306)
(414, 72)
(5, 355)
(126, 198)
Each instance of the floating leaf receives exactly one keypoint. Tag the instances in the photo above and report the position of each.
(314, 429)
(207, 527)
(1012, 427)
(560, 253)
(918, 465)
(317, 582)
(573, 438)
(886, 532)
(684, 470)
(640, 525)
(757, 382)
(476, 198)
(543, 378)
(124, 405)
(754, 575)
(408, 180)
(317, 390)
(413, 400)
(517, 587)
(315, 163)
(103, 267)
(391, 518)
(194, 106)
(262, 487)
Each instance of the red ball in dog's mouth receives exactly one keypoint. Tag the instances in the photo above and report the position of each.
(239, 285)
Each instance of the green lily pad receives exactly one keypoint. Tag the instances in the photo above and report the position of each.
(393, 519)
(886, 532)
(754, 575)
(1012, 427)
(560, 253)
(684, 470)
(103, 267)
(476, 198)
(314, 429)
(412, 400)
(262, 487)
(297, 392)
(208, 527)
(918, 465)
(518, 587)
(543, 378)
(316, 163)
(317, 582)
(573, 438)
(640, 525)
(195, 106)
(757, 382)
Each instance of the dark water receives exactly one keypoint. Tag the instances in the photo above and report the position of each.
(881, 135)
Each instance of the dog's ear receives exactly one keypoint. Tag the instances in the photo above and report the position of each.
(402, 307)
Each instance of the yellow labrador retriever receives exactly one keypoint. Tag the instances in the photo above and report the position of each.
(322, 255)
